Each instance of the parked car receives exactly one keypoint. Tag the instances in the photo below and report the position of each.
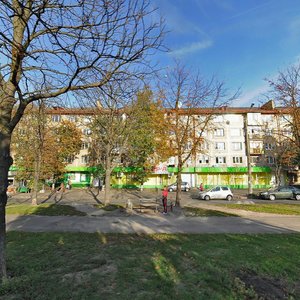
(296, 185)
(218, 192)
(185, 186)
(282, 192)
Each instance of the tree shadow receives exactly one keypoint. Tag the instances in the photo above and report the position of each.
(53, 192)
(94, 194)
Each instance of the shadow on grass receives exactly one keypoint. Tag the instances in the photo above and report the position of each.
(43, 210)
(200, 212)
(158, 266)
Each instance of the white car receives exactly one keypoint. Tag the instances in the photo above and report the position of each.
(218, 192)
(184, 187)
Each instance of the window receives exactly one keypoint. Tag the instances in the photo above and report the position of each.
(221, 160)
(255, 145)
(287, 132)
(255, 132)
(87, 131)
(22, 131)
(85, 145)
(87, 120)
(270, 160)
(237, 160)
(236, 146)
(233, 118)
(69, 159)
(83, 177)
(204, 146)
(254, 159)
(72, 118)
(267, 118)
(188, 146)
(235, 132)
(220, 146)
(204, 160)
(254, 116)
(202, 133)
(171, 161)
(219, 132)
(85, 159)
(269, 131)
(216, 189)
(218, 119)
(269, 146)
(56, 118)
(285, 118)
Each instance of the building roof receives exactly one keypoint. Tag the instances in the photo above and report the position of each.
(267, 108)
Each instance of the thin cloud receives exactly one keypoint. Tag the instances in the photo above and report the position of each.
(191, 48)
(252, 96)
(250, 10)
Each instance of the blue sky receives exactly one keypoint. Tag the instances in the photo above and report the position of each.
(240, 41)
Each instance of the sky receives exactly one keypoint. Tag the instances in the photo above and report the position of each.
(241, 42)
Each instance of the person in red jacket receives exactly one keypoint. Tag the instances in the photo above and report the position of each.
(201, 187)
(165, 199)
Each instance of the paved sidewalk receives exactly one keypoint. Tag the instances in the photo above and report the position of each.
(247, 222)
(146, 224)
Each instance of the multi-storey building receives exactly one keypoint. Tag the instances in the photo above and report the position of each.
(237, 139)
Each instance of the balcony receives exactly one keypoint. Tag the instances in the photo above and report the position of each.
(255, 136)
(255, 151)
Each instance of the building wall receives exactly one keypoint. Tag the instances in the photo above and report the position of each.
(223, 160)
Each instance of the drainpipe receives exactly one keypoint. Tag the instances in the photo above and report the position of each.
(247, 144)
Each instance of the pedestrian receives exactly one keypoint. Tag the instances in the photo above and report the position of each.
(201, 187)
(69, 185)
(165, 199)
(61, 188)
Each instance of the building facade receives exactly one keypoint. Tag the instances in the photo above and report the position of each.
(236, 140)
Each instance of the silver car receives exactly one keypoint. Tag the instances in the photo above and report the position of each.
(218, 192)
(282, 192)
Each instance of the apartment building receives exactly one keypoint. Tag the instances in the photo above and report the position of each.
(237, 138)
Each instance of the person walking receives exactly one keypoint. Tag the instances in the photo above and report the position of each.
(165, 200)
(201, 187)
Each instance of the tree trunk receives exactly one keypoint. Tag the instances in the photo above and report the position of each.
(107, 187)
(277, 175)
(37, 168)
(178, 191)
(5, 163)
(107, 177)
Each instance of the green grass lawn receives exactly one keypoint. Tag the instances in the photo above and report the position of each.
(280, 208)
(160, 266)
(43, 209)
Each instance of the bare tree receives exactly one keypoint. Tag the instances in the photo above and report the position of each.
(52, 47)
(110, 128)
(286, 91)
(279, 153)
(183, 93)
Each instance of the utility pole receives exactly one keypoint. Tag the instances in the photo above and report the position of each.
(247, 144)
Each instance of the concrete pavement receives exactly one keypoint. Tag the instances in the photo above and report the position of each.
(143, 223)
(158, 223)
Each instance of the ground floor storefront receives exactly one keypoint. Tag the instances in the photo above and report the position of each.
(234, 177)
